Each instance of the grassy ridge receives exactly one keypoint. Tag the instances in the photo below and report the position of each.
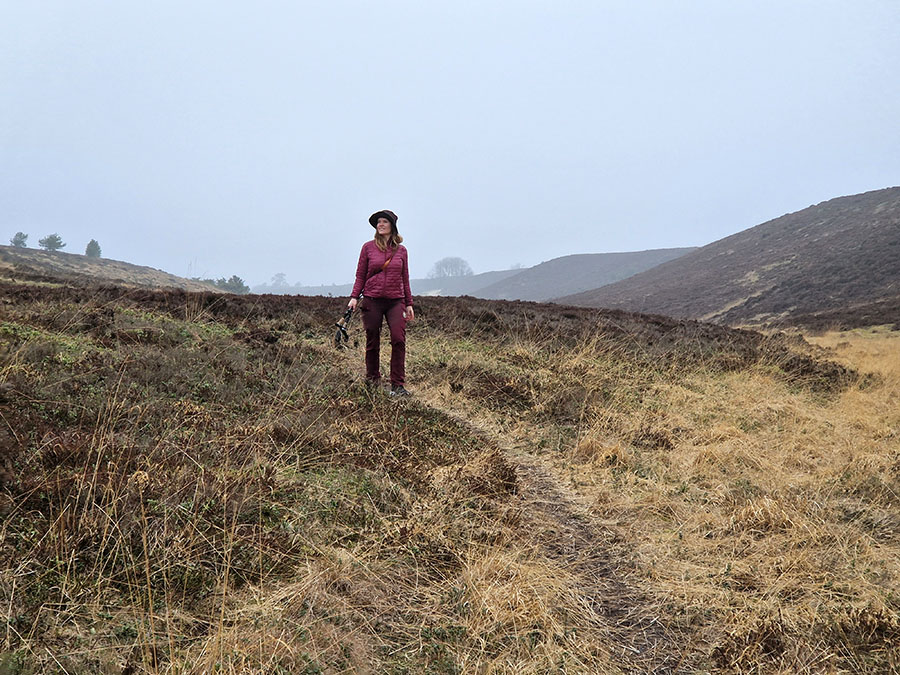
(193, 483)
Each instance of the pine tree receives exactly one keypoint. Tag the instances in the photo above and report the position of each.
(52, 242)
(92, 250)
(233, 285)
(19, 240)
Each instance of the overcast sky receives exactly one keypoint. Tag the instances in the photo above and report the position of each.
(222, 137)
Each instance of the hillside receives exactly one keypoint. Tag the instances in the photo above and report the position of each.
(32, 264)
(828, 258)
(201, 483)
(575, 273)
(469, 285)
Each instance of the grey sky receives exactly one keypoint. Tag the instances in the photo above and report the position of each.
(220, 138)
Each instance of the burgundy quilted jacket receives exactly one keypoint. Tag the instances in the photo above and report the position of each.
(393, 282)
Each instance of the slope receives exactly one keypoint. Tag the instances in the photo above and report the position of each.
(57, 266)
(829, 257)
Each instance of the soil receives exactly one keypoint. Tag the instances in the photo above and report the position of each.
(565, 531)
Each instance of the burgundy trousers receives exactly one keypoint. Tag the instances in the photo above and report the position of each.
(374, 310)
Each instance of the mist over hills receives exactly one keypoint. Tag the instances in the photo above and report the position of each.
(552, 278)
(559, 276)
(834, 264)
(468, 285)
(563, 275)
(837, 257)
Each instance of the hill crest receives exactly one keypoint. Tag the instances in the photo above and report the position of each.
(28, 264)
(828, 257)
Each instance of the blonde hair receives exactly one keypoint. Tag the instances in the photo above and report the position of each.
(393, 240)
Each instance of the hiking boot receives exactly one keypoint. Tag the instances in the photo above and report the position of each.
(373, 385)
(398, 391)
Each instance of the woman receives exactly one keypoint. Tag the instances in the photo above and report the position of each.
(382, 279)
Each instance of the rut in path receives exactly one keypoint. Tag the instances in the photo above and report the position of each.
(563, 529)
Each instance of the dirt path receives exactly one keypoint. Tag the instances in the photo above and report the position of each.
(568, 534)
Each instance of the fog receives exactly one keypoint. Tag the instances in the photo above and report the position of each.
(217, 138)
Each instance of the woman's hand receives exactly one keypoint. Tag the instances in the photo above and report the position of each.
(409, 314)
(352, 303)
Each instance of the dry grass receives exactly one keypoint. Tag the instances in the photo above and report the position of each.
(192, 495)
(758, 506)
(195, 486)
(764, 516)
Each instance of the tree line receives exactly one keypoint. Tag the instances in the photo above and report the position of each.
(53, 242)
(233, 285)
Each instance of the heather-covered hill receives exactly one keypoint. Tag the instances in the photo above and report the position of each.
(57, 266)
(574, 273)
(201, 483)
(828, 258)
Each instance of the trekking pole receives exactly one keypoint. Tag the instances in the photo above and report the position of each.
(341, 338)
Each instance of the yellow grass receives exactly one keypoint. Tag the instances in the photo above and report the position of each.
(773, 519)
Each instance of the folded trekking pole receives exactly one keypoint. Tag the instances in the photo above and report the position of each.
(341, 338)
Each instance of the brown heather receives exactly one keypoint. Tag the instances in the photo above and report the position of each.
(195, 483)
(832, 264)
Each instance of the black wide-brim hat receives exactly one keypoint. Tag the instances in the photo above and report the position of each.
(390, 215)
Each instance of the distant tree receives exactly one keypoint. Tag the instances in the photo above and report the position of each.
(233, 285)
(209, 282)
(52, 242)
(19, 239)
(92, 250)
(450, 267)
(279, 280)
